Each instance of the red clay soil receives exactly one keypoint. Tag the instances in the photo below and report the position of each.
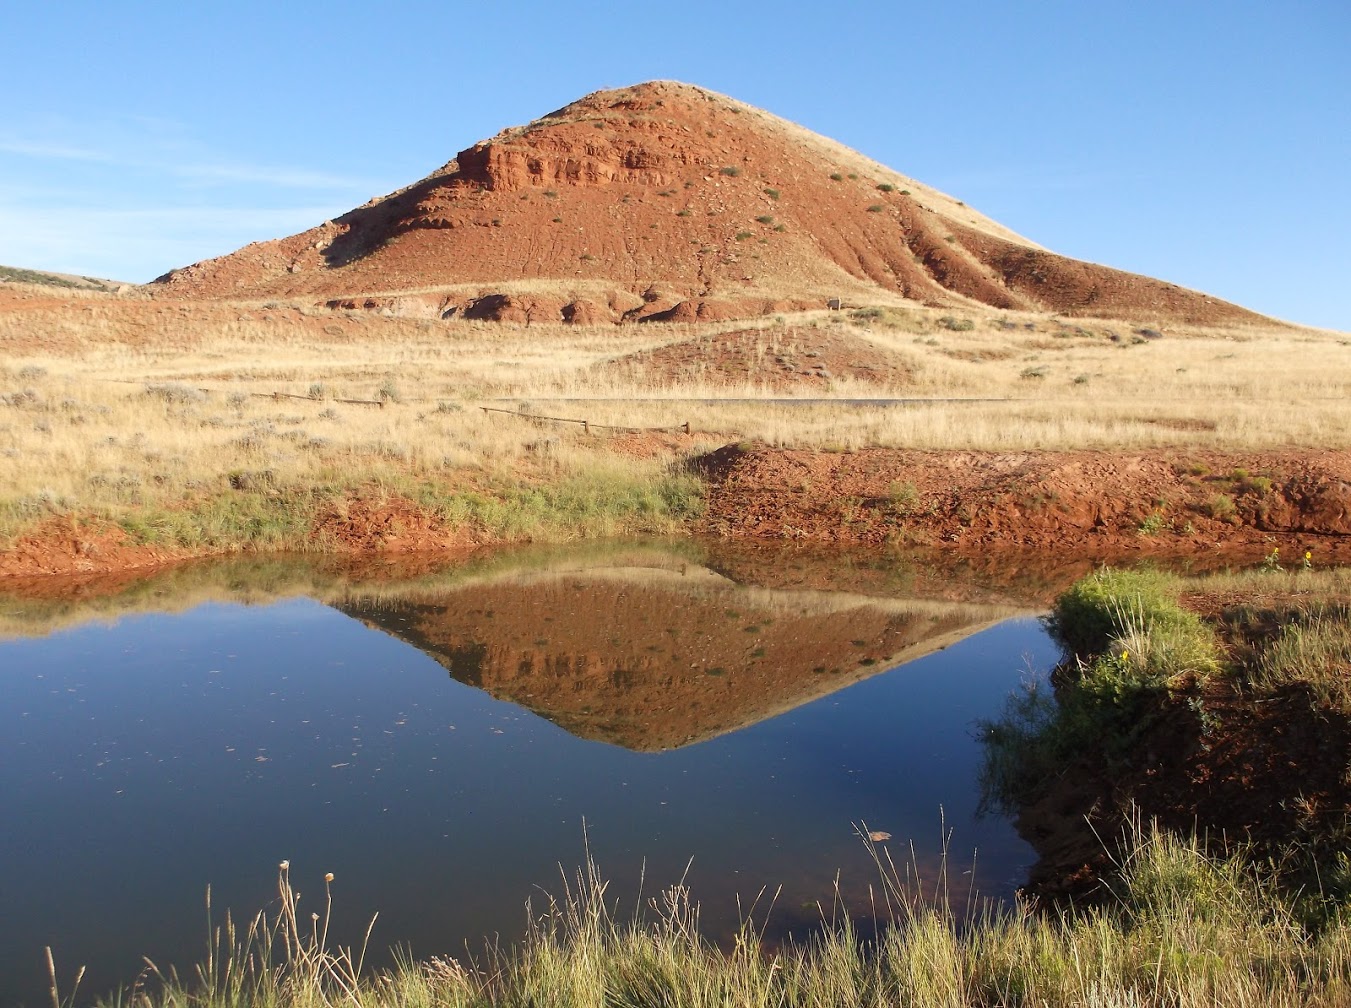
(664, 200)
(1087, 504)
(64, 545)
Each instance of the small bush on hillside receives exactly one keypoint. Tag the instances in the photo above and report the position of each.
(904, 496)
(887, 187)
(1259, 485)
(956, 324)
(731, 170)
(1221, 506)
(175, 392)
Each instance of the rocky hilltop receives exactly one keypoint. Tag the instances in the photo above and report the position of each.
(666, 201)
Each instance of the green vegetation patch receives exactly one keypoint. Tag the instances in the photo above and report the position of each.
(1127, 641)
(1111, 610)
(258, 514)
(227, 521)
(590, 504)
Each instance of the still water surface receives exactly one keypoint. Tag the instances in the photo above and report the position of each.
(443, 745)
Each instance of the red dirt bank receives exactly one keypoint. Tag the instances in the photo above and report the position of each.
(967, 504)
(1105, 503)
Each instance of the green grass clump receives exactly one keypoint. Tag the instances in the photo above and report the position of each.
(239, 519)
(1136, 612)
(1312, 649)
(585, 505)
(1221, 506)
(1127, 642)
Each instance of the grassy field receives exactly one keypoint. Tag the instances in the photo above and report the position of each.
(128, 408)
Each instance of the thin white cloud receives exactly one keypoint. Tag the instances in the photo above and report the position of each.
(138, 244)
(44, 150)
(199, 171)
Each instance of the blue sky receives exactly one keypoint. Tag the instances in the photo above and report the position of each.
(1207, 143)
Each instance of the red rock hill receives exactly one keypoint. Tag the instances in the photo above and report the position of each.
(667, 201)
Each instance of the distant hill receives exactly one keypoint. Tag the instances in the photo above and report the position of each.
(17, 275)
(667, 201)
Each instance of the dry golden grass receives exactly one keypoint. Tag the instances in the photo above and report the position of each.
(1183, 928)
(125, 402)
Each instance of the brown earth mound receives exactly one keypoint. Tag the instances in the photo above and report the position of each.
(666, 200)
(779, 359)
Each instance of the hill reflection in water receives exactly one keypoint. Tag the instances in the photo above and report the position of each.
(661, 656)
(166, 732)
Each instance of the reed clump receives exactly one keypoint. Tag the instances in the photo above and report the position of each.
(1182, 928)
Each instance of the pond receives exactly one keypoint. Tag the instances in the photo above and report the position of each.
(450, 741)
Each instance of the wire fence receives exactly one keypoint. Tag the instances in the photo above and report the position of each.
(588, 425)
